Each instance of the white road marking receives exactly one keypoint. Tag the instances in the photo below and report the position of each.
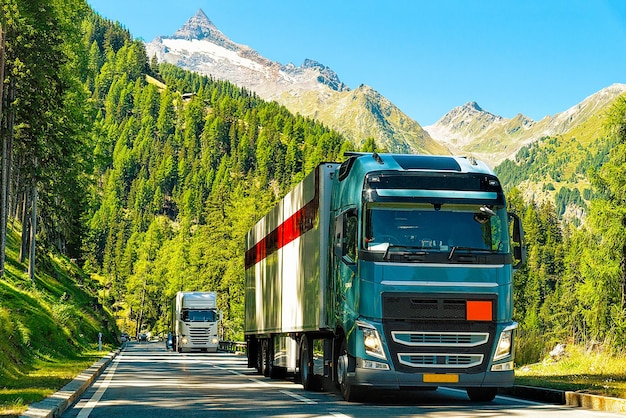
(299, 397)
(263, 383)
(93, 402)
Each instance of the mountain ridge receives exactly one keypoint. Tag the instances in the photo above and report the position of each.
(470, 129)
(201, 47)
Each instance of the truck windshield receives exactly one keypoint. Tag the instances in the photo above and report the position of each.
(437, 228)
(198, 315)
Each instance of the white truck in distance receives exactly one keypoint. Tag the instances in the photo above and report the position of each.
(195, 321)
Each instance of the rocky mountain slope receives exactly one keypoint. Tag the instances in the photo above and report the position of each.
(468, 129)
(312, 89)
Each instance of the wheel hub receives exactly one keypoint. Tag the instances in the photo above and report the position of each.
(342, 368)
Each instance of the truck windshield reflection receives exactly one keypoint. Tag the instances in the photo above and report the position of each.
(443, 228)
(198, 315)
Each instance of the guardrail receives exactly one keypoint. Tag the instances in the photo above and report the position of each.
(233, 346)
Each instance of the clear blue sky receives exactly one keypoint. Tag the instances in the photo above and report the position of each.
(536, 57)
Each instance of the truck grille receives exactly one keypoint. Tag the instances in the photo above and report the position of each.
(440, 339)
(430, 333)
(440, 360)
(199, 336)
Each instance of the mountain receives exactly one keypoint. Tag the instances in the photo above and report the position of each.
(470, 129)
(312, 89)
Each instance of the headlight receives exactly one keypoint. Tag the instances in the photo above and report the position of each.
(184, 340)
(505, 343)
(214, 341)
(371, 341)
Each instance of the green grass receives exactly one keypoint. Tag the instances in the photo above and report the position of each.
(41, 379)
(581, 369)
(48, 327)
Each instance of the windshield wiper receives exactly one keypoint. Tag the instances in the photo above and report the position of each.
(470, 249)
(405, 247)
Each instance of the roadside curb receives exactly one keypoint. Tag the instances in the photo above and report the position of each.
(567, 398)
(56, 404)
(595, 402)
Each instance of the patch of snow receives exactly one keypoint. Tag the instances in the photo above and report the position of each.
(195, 46)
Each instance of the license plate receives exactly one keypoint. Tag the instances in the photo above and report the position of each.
(441, 378)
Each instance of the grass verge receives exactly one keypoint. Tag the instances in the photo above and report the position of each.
(44, 377)
(580, 369)
(49, 326)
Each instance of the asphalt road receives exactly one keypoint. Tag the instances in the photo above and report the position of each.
(145, 380)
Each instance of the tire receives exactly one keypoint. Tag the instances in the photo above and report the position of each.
(309, 381)
(482, 394)
(350, 393)
(273, 372)
(258, 360)
(251, 350)
(263, 358)
(267, 358)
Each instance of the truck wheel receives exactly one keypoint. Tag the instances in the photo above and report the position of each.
(266, 358)
(309, 380)
(262, 357)
(349, 392)
(258, 357)
(273, 372)
(251, 348)
(482, 394)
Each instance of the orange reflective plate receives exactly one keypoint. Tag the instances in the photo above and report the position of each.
(479, 310)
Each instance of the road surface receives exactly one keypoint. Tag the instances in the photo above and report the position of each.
(145, 380)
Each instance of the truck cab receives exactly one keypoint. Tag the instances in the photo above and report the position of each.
(422, 274)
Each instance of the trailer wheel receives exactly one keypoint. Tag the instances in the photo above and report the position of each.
(266, 358)
(251, 350)
(482, 394)
(349, 392)
(273, 372)
(309, 380)
(262, 357)
(258, 357)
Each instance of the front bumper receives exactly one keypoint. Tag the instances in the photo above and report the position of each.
(391, 379)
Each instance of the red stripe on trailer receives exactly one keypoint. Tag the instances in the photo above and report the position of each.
(292, 228)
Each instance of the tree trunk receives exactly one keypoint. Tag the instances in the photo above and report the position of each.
(140, 317)
(10, 122)
(33, 231)
(25, 226)
(4, 206)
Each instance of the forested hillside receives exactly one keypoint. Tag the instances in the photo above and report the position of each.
(149, 176)
(50, 314)
(558, 168)
(573, 287)
(185, 165)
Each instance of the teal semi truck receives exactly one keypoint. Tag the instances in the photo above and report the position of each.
(386, 271)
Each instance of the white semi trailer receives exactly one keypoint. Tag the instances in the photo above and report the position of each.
(195, 321)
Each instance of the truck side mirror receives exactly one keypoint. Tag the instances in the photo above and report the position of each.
(517, 238)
